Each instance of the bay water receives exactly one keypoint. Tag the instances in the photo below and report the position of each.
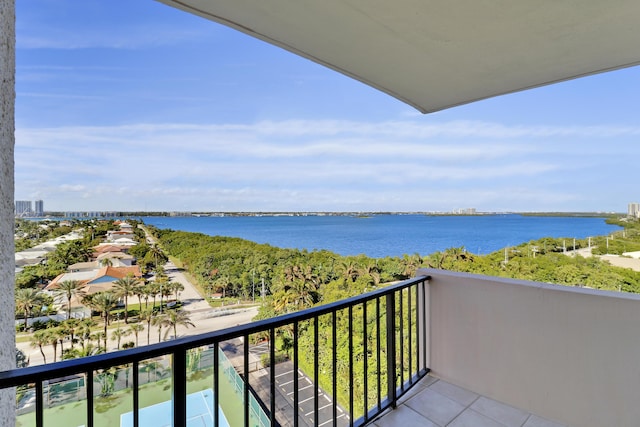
(391, 235)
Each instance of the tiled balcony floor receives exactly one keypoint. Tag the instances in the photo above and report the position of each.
(436, 403)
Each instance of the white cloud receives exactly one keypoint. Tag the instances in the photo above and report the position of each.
(305, 165)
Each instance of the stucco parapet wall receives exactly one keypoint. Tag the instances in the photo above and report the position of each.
(565, 353)
(471, 278)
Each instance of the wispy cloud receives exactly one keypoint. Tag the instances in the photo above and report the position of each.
(128, 37)
(298, 164)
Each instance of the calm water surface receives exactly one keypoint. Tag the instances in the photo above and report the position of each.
(390, 235)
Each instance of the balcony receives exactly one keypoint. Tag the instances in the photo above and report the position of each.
(466, 346)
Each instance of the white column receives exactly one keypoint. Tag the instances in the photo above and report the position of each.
(7, 262)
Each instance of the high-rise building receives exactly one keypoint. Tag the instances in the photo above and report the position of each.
(23, 207)
(39, 208)
(634, 210)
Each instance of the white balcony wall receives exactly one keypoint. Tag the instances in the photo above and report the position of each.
(567, 354)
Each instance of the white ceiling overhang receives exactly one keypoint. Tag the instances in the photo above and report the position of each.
(438, 54)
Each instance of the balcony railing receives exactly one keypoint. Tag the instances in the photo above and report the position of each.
(339, 364)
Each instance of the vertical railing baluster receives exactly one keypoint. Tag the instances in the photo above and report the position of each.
(136, 395)
(40, 404)
(379, 365)
(216, 384)
(246, 380)
(409, 333)
(334, 341)
(418, 312)
(350, 312)
(295, 374)
(89, 387)
(272, 376)
(401, 348)
(316, 378)
(425, 350)
(391, 349)
(179, 380)
(365, 361)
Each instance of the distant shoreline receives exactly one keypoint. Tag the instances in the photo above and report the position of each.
(120, 214)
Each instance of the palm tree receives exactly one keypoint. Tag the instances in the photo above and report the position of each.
(84, 331)
(103, 302)
(70, 327)
(173, 318)
(176, 288)
(135, 329)
(125, 287)
(106, 262)
(157, 320)
(58, 334)
(89, 350)
(147, 316)
(26, 300)
(158, 256)
(39, 339)
(151, 289)
(118, 334)
(69, 288)
(53, 340)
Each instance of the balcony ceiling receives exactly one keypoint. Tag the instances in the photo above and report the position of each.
(438, 54)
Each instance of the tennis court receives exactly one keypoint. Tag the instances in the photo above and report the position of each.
(199, 413)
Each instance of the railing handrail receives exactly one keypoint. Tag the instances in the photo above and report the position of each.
(16, 377)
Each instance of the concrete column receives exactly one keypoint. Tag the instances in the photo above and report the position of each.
(7, 261)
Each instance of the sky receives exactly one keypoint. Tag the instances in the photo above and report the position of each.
(132, 105)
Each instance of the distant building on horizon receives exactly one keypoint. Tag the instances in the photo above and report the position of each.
(634, 210)
(23, 208)
(467, 211)
(39, 208)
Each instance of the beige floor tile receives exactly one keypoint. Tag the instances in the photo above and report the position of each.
(403, 416)
(424, 383)
(535, 421)
(435, 406)
(505, 414)
(471, 418)
(459, 394)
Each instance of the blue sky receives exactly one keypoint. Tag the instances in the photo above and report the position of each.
(133, 105)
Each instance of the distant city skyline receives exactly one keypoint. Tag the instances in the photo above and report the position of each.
(136, 106)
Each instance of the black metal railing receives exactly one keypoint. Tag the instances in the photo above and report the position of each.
(338, 364)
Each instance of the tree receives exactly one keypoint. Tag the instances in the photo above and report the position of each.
(135, 329)
(70, 328)
(103, 302)
(106, 262)
(147, 316)
(173, 318)
(58, 335)
(40, 339)
(26, 301)
(118, 334)
(84, 331)
(69, 288)
(89, 350)
(157, 320)
(125, 287)
(176, 288)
